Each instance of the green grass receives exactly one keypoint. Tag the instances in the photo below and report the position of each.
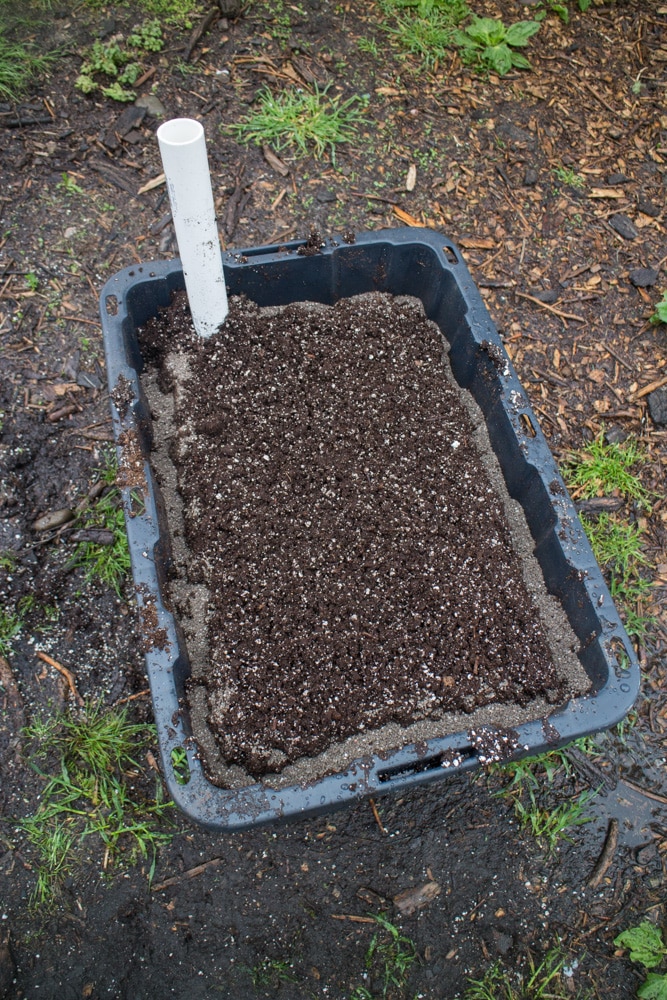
(388, 961)
(271, 972)
(569, 177)
(602, 470)
(618, 548)
(275, 14)
(543, 981)
(179, 13)
(110, 564)
(12, 621)
(20, 63)
(532, 787)
(424, 29)
(302, 121)
(89, 763)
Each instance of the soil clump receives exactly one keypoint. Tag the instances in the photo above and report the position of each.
(359, 561)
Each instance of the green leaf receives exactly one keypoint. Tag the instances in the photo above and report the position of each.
(644, 944)
(499, 57)
(562, 11)
(463, 39)
(118, 93)
(584, 4)
(486, 30)
(519, 33)
(660, 314)
(520, 61)
(655, 988)
(85, 84)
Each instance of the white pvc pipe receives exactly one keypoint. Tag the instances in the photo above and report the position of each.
(183, 150)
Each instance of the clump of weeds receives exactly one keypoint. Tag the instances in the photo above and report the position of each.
(89, 764)
(302, 121)
(611, 470)
(271, 973)
(487, 44)
(569, 177)
(646, 946)
(563, 11)
(547, 980)
(21, 63)
(113, 67)
(12, 621)
(102, 549)
(660, 312)
(533, 787)
(388, 961)
(424, 28)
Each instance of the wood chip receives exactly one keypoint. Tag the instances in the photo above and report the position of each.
(605, 193)
(151, 185)
(274, 161)
(408, 219)
(477, 243)
(190, 873)
(411, 178)
(411, 900)
(651, 387)
(54, 519)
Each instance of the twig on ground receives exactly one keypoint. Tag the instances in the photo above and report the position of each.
(643, 791)
(132, 697)
(67, 674)
(190, 873)
(551, 309)
(201, 29)
(376, 814)
(606, 855)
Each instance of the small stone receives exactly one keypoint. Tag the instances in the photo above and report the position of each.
(54, 519)
(615, 179)
(88, 380)
(643, 277)
(616, 435)
(623, 226)
(647, 207)
(131, 118)
(657, 405)
(530, 177)
(153, 105)
(503, 942)
(546, 295)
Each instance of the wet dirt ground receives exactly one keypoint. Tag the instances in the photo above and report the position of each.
(552, 182)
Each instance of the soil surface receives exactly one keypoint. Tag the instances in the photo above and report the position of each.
(357, 557)
(552, 182)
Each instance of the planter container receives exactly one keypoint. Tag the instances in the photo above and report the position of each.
(400, 261)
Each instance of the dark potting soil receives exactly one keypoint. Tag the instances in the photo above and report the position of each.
(349, 559)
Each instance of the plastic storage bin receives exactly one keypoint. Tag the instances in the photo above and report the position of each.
(400, 261)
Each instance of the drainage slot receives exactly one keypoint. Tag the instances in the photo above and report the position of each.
(528, 426)
(448, 758)
(450, 255)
